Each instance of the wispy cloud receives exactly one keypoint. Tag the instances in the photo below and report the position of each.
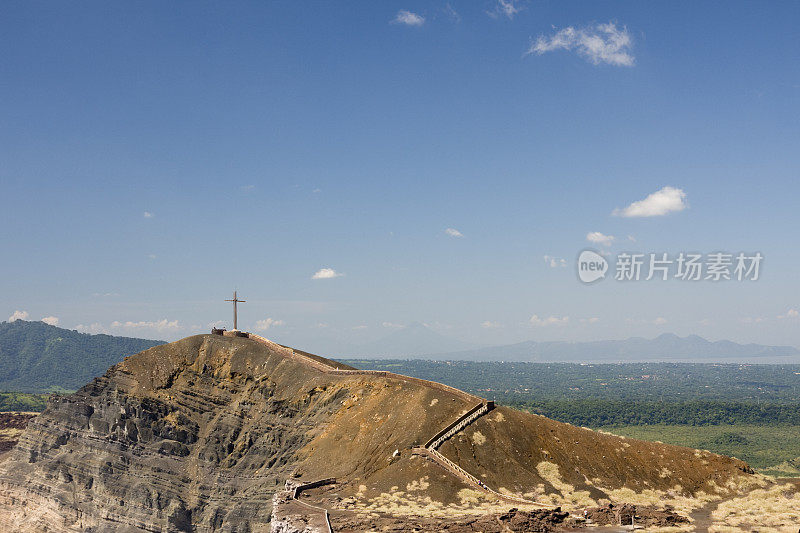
(549, 321)
(491, 325)
(18, 315)
(554, 262)
(452, 13)
(599, 43)
(408, 18)
(392, 325)
(93, 328)
(506, 8)
(591, 320)
(663, 201)
(326, 273)
(453, 232)
(52, 320)
(791, 313)
(658, 321)
(148, 214)
(263, 325)
(162, 325)
(598, 238)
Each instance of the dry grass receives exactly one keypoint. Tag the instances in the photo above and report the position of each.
(568, 497)
(478, 438)
(414, 503)
(421, 484)
(776, 508)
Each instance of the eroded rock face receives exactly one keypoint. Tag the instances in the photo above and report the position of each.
(195, 436)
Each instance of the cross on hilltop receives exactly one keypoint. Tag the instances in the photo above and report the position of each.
(235, 301)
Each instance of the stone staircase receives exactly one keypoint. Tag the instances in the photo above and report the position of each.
(459, 424)
(430, 448)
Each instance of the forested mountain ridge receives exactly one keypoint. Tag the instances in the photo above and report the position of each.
(38, 357)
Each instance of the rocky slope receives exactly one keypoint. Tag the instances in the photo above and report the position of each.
(200, 434)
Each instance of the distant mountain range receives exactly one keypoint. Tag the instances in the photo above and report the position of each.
(418, 341)
(414, 339)
(37, 357)
(666, 347)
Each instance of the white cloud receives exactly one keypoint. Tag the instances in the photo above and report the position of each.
(592, 320)
(359, 327)
(554, 262)
(316, 191)
(631, 238)
(263, 325)
(157, 325)
(152, 256)
(18, 315)
(507, 8)
(52, 320)
(247, 187)
(392, 325)
(93, 328)
(661, 202)
(598, 238)
(705, 322)
(326, 273)
(549, 321)
(148, 214)
(660, 321)
(453, 232)
(105, 294)
(491, 325)
(601, 43)
(216, 324)
(408, 18)
(791, 313)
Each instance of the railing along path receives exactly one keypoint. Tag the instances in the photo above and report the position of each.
(430, 448)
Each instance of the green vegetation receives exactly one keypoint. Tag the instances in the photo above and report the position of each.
(36, 357)
(598, 413)
(748, 411)
(517, 383)
(763, 447)
(22, 401)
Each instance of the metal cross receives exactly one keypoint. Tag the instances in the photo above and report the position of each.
(235, 301)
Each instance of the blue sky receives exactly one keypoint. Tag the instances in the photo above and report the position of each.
(155, 156)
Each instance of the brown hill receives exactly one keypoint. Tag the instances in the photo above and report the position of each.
(200, 434)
